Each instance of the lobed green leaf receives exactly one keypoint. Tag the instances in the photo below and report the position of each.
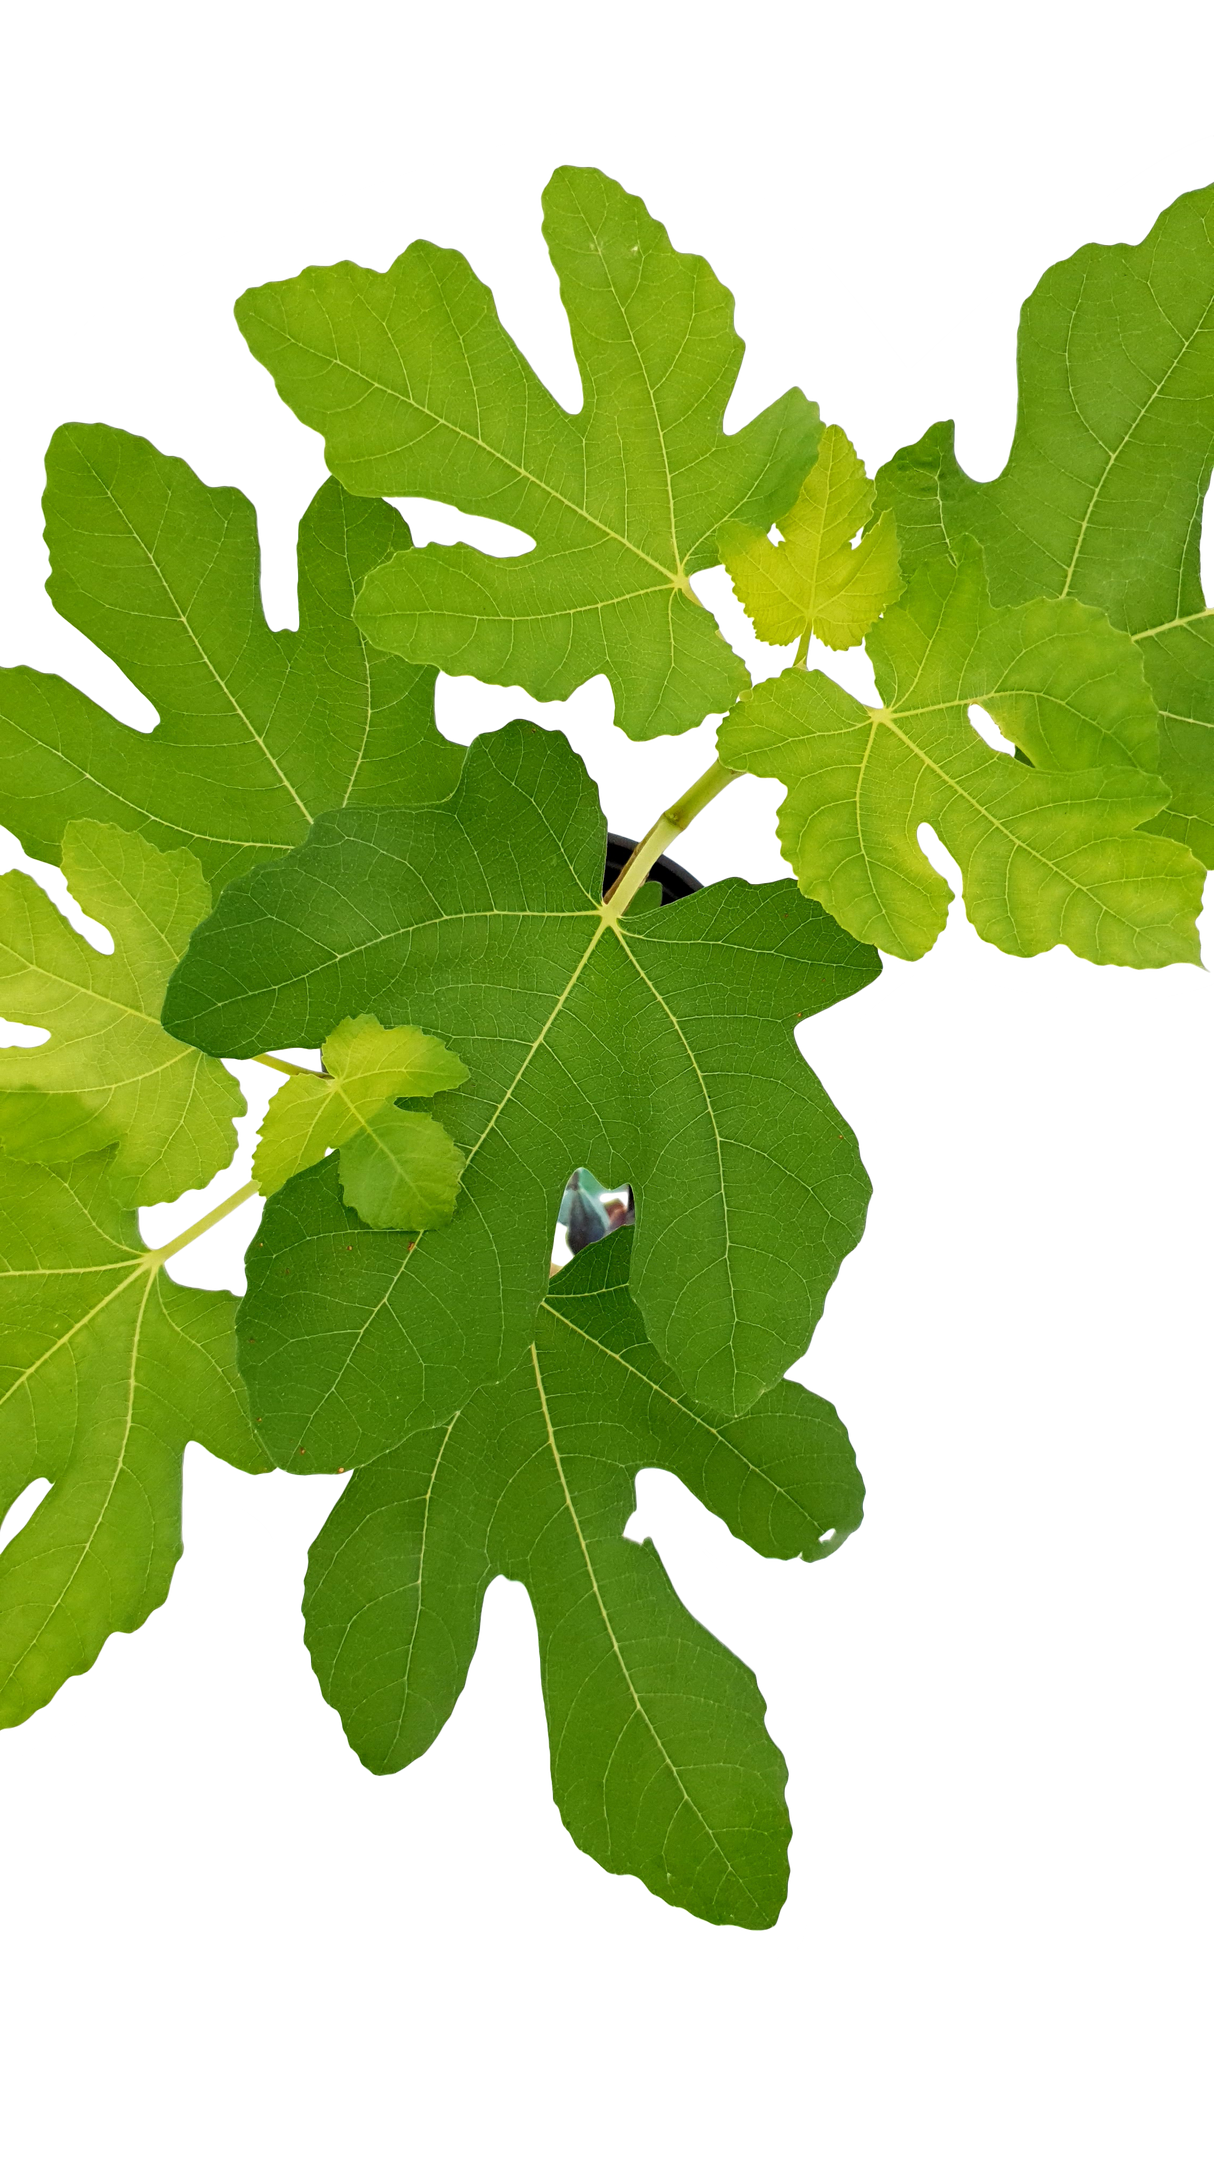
(418, 390)
(400, 1165)
(1102, 496)
(259, 729)
(658, 1046)
(817, 584)
(661, 1763)
(1049, 852)
(107, 1370)
(109, 1071)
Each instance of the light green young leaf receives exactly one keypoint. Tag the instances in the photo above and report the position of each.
(107, 1370)
(817, 584)
(418, 390)
(259, 729)
(401, 1162)
(658, 1046)
(401, 1171)
(661, 1763)
(119, 1075)
(1102, 496)
(1047, 856)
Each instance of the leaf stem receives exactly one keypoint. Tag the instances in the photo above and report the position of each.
(279, 1064)
(802, 658)
(671, 822)
(156, 1258)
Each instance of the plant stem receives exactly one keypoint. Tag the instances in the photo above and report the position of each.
(802, 658)
(279, 1064)
(671, 822)
(156, 1258)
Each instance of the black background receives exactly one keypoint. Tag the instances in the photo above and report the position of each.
(988, 1682)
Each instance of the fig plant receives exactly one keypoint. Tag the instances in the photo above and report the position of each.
(296, 858)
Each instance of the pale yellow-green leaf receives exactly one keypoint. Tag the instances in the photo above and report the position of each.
(108, 1368)
(366, 1067)
(401, 1171)
(818, 584)
(113, 1072)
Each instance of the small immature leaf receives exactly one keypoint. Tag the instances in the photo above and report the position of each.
(418, 390)
(817, 584)
(259, 729)
(116, 1073)
(657, 1045)
(1101, 499)
(108, 1369)
(661, 1764)
(1048, 856)
(366, 1067)
(401, 1171)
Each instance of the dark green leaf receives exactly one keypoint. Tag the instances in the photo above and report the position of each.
(659, 1047)
(661, 1764)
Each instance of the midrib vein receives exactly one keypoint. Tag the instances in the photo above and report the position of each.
(602, 922)
(653, 406)
(1180, 621)
(530, 479)
(362, 747)
(609, 1629)
(1139, 416)
(103, 1509)
(689, 1053)
(882, 718)
(421, 1568)
(167, 821)
(203, 655)
(23, 1378)
(714, 1431)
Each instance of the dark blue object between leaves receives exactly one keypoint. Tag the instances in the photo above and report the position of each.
(590, 1210)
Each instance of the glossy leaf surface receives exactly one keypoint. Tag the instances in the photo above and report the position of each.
(418, 390)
